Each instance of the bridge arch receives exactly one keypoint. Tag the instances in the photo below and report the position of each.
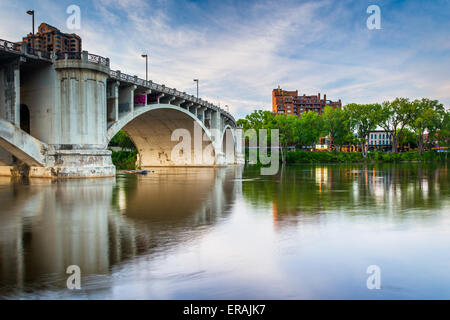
(228, 144)
(151, 128)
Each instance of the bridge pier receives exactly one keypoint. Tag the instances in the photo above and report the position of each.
(80, 163)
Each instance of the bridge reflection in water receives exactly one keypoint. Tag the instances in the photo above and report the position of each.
(45, 226)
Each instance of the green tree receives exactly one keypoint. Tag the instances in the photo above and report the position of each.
(407, 138)
(444, 131)
(286, 124)
(309, 129)
(336, 124)
(393, 117)
(258, 119)
(122, 140)
(426, 115)
(363, 118)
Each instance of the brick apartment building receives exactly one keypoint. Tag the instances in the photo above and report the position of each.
(289, 102)
(50, 39)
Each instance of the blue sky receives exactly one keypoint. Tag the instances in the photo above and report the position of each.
(241, 50)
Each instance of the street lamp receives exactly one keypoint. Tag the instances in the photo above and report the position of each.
(146, 66)
(31, 13)
(196, 80)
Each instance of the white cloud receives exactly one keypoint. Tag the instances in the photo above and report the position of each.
(240, 57)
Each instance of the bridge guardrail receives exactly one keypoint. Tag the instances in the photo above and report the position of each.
(84, 56)
(10, 46)
(117, 75)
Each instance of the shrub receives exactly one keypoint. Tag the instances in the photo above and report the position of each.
(124, 160)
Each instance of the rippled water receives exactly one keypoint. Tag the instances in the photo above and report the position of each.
(229, 233)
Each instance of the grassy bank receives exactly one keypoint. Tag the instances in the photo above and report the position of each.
(300, 156)
(124, 160)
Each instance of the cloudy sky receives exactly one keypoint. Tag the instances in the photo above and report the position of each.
(241, 50)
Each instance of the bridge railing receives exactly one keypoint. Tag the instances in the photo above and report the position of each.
(10, 46)
(83, 56)
(23, 48)
(117, 75)
(93, 58)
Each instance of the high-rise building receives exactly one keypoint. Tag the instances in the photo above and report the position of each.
(50, 39)
(289, 102)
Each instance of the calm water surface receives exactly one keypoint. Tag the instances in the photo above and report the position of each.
(309, 232)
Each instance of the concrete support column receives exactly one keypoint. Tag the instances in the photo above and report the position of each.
(240, 151)
(188, 105)
(193, 109)
(216, 136)
(113, 101)
(126, 99)
(201, 113)
(147, 92)
(16, 119)
(159, 97)
(207, 120)
(77, 146)
(144, 93)
(10, 92)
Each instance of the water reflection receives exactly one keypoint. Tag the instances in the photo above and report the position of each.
(308, 232)
(47, 225)
(353, 189)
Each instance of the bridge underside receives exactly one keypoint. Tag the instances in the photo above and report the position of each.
(153, 132)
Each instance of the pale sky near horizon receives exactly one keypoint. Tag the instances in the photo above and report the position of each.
(241, 50)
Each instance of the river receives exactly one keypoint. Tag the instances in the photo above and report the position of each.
(309, 232)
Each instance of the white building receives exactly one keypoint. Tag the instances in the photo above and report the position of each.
(380, 139)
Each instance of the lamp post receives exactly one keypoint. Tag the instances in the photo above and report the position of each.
(196, 80)
(31, 13)
(146, 66)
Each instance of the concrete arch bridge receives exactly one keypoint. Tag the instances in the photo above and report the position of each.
(58, 113)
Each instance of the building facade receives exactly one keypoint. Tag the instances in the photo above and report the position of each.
(290, 102)
(380, 140)
(50, 39)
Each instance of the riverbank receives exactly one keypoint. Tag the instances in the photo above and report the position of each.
(299, 156)
(126, 160)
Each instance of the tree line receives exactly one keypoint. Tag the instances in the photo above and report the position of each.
(407, 120)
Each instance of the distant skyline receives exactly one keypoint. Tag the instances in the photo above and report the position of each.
(241, 50)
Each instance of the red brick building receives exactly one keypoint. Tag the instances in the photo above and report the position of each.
(289, 102)
(49, 38)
